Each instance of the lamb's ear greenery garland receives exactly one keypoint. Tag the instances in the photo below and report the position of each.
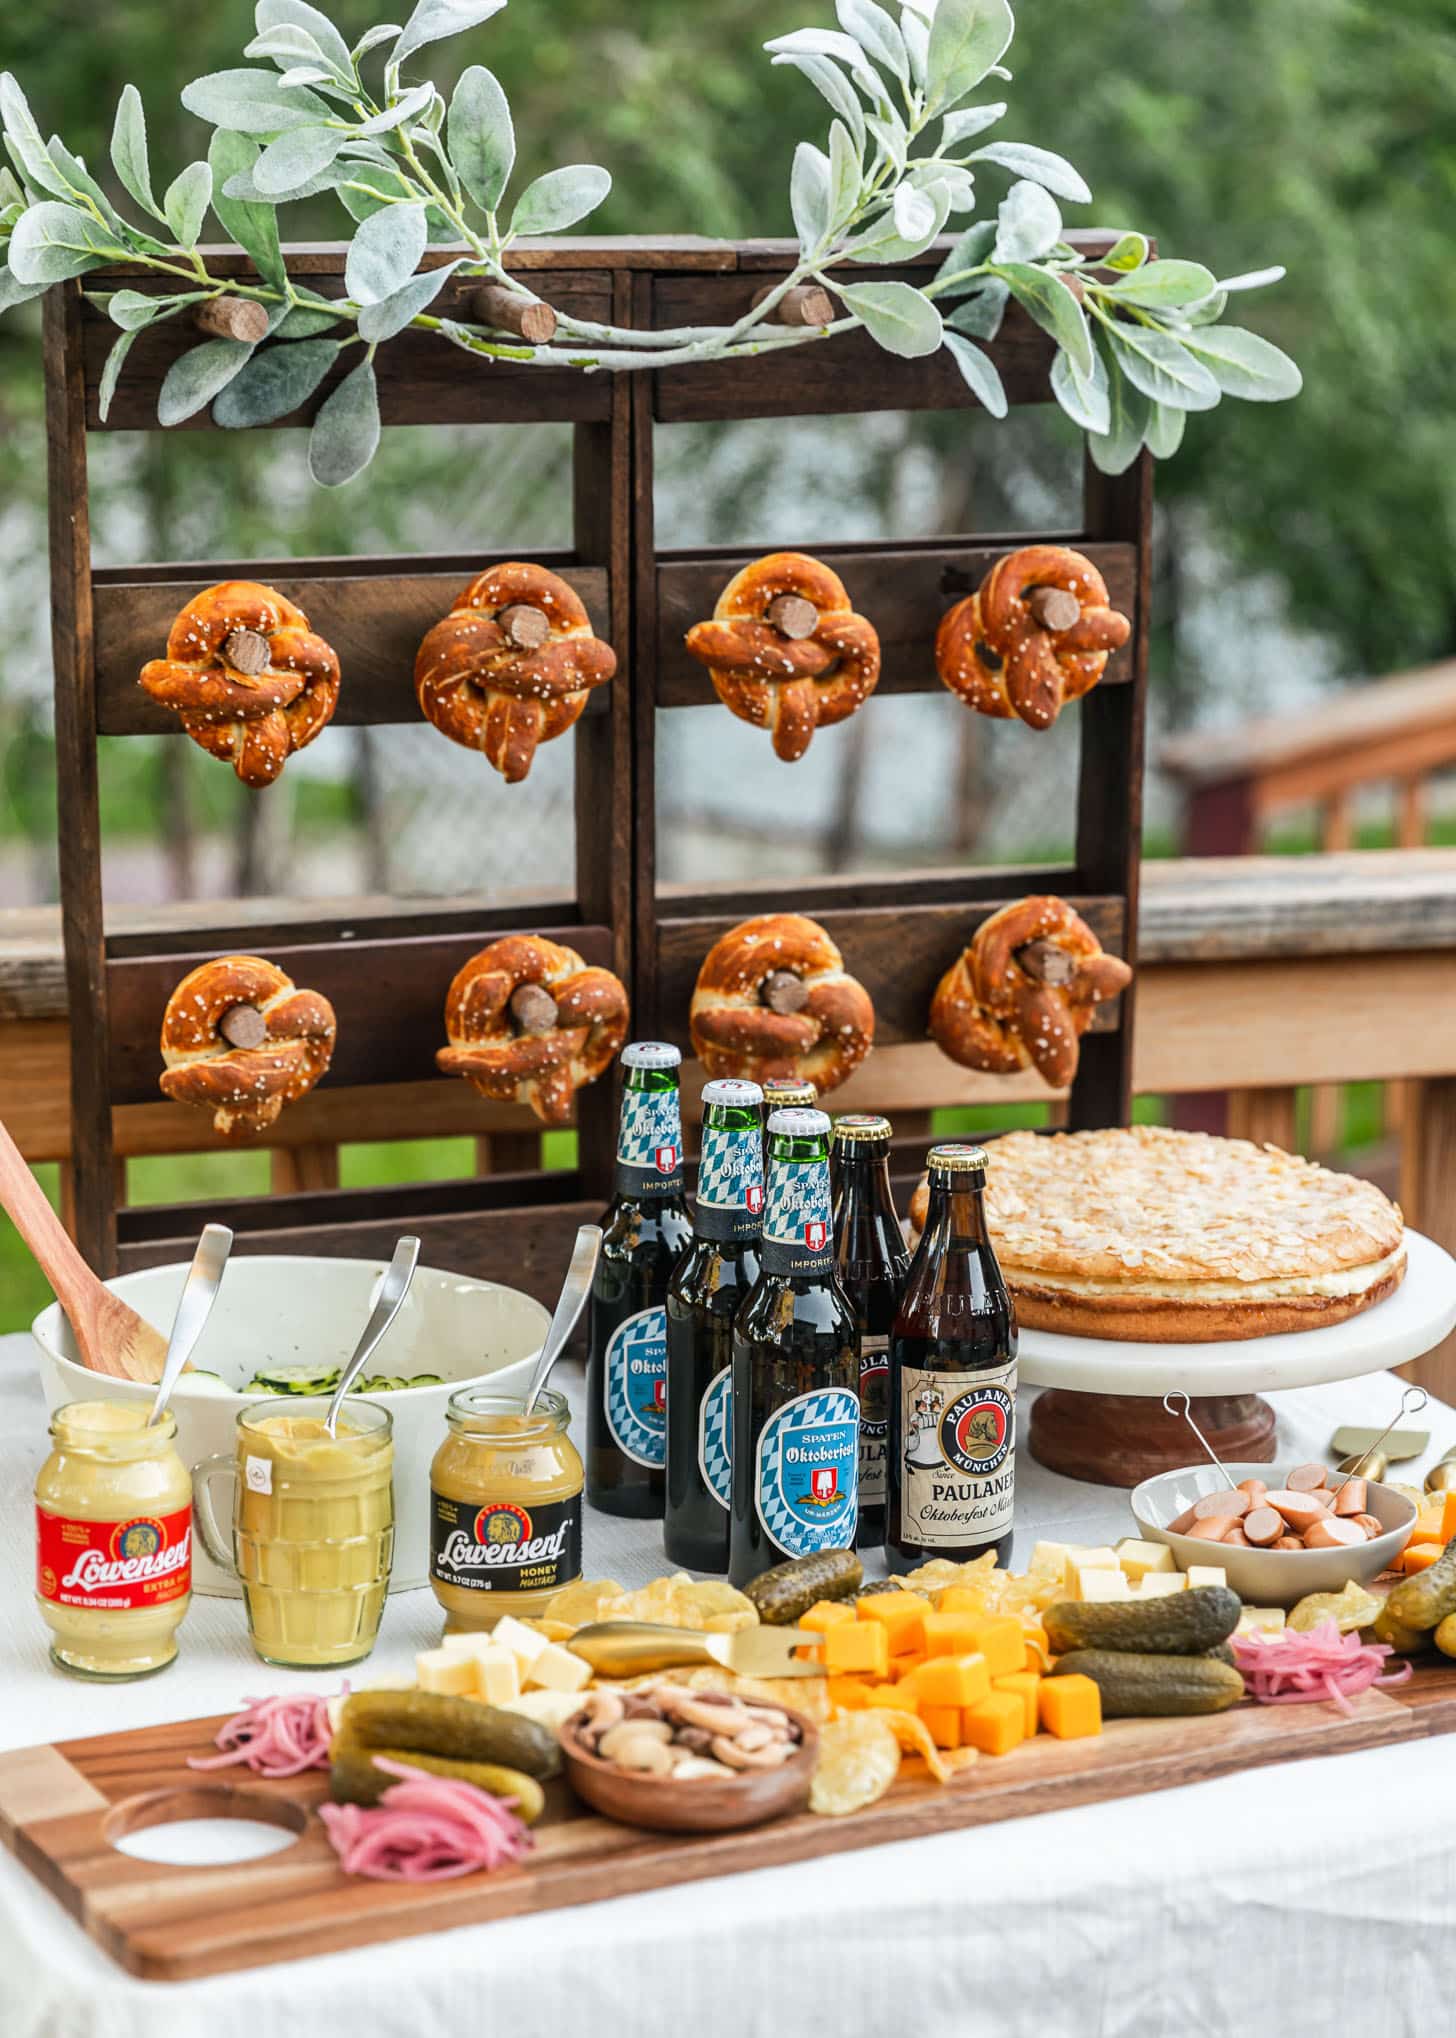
(904, 152)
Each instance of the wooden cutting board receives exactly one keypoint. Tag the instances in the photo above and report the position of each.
(61, 1807)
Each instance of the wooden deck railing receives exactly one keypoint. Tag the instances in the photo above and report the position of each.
(1259, 976)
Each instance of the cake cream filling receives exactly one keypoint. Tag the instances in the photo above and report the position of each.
(1133, 1288)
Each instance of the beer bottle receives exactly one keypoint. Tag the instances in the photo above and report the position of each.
(795, 1370)
(784, 1093)
(871, 1262)
(644, 1231)
(951, 1466)
(708, 1284)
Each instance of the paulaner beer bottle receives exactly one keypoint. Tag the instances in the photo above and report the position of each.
(952, 1382)
(871, 1262)
(784, 1093)
(795, 1371)
(707, 1289)
(645, 1230)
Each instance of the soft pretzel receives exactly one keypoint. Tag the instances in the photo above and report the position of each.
(789, 684)
(820, 1024)
(483, 681)
(538, 1051)
(1024, 992)
(249, 680)
(1006, 649)
(245, 1087)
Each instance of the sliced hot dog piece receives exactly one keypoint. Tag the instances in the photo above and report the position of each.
(1255, 1488)
(1237, 1537)
(1287, 1543)
(1181, 1525)
(1227, 1501)
(1331, 1533)
(1370, 1523)
(1211, 1528)
(1263, 1526)
(1351, 1497)
(1300, 1510)
(1305, 1478)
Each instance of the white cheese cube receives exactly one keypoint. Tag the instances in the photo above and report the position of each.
(1158, 1584)
(438, 1670)
(1205, 1574)
(469, 1644)
(549, 1708)
(1256, 1620)
(556, 1669)
(497, 1677)
(1138, 1558)
(1079, 1560)
(524, 1643)
(1101, 1584)
(1050, 1558)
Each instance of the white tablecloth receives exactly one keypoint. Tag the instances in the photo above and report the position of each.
(1287, 1898)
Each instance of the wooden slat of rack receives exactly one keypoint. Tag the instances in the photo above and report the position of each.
(904, 591)
(374, 612)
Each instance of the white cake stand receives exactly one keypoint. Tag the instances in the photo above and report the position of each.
(1103, 1418)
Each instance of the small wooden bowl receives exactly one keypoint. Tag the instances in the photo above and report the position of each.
(707, 1804)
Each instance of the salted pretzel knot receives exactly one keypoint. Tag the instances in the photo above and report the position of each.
(773, 998)
(247, 677)
(1024, 992)
(786, 651)
(530, 1023)
(1036, 634)
(511, 665)
(240, 1041)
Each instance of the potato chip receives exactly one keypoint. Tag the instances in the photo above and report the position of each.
(678, 1601)
(941, 1571)
(952, 1762)
(859, 1758)
(914, 1737)
(577, 1604)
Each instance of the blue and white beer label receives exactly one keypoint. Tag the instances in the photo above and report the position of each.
(715, 1438)
(635, 1386)
(798, 1236)
(729, 1206)
(806, 1489)
(649, 1143)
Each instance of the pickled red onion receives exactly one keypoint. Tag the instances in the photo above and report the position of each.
(274, 1737)
(1300, 1669)
(424, 1829)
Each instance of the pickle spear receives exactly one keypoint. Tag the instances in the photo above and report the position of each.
(355, 1779)
(458, 1729)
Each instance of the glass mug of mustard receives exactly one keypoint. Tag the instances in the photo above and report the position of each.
(505, 1508)
(312, 1527)
(113, 1515)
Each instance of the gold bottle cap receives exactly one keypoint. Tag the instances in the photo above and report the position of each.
(957, 1160)
(788, 1090)
(862, 1128)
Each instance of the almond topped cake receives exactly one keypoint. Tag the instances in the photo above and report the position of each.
(1168, 1237)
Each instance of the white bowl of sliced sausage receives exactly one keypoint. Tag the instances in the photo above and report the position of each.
(1275, 1540)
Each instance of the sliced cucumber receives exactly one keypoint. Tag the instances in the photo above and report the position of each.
(299, 1378)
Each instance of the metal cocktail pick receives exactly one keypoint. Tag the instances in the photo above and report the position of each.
(1411, 1403)
(1187, 1414)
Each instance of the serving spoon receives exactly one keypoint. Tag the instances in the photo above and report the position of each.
(392, 1291)
(199, 1292)
(574, 1291)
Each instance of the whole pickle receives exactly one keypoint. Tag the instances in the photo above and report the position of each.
(1424, 1600)
(354, 1777)
(461, 1729)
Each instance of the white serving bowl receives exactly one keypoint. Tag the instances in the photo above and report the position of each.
(1269, 1577)
(277, 1308)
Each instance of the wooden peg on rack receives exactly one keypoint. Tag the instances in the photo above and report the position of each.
(510, 312)
(792, 616)
(1048, 962)
(524, 626)
(784, 993)
(807, 304)
(243, 1026)
(246, 651)
(1054, 608)
(232, 318)
(533, 1008)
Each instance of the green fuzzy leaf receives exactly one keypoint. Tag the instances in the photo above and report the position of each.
(276, 14)
(971, 120)
(392, 314)
(111, 370)
(302, 322)
(969, 250)
(253, 102)
(893, 139)
(966, 39)
(245, 189)
(979, 373)
(1162, 368)
(1208, 312)
(276, 381)
(1114, 450)
(1160, 284)
(845, 174)
(1253, 279)
(559, 199)
(830, 81)
(287, 46)
(877, 35)
(133, 309)
(433, 20)
(913, 212)
(1127, 253)
(185, 205)
(197, 376)
(346, 431)
(24, 139)
(52, 242)
(296, 157)
(898, 318)
(1244, 364)
(253, 226)
(81, 182)
(917, 46)
(1164, 434)
(1028, 224)
(1053, 307)
(409, 107)
(981, 313)
(381, 32)
(13, 292)
(385, 253)
(481, 137)
(818, 42)
(809, 195)
(1038, 166)
(1082, 393)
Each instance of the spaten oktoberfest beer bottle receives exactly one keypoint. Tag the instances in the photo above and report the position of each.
(644, 1232)
(795, 1370)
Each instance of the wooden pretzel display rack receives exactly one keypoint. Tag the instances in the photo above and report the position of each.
(386, 976)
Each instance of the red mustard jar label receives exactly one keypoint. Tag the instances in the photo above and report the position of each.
(113, 1566)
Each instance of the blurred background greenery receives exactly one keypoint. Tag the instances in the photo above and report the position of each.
(1300, 546)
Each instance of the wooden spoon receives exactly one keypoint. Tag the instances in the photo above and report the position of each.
(110, 1335)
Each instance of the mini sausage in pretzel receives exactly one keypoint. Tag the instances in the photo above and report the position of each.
(1035, 635)
(1024, 992)
(249, 680)
(773, 998)
(241, 1042)
(786, 651)
(530, 1023)
(511, 665)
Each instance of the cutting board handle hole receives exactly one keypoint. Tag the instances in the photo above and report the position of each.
(203, 1825)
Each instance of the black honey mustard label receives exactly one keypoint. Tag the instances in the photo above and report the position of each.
(503, 1547)
(958, 1472)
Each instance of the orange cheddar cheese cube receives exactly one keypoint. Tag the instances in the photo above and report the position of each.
(943, 1724)
(1001, 1639)
(850, 1694)
(1070, 1707)
(890, 1698)
(857, 1647)
(1025, 1684)
(901, 1615)
(1448, 1518)
(951, 1680)
(825, 1614)
(950, 1634)
(905, 1666)
(996, 1725)
(961, 1599)
(1416, 1557)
